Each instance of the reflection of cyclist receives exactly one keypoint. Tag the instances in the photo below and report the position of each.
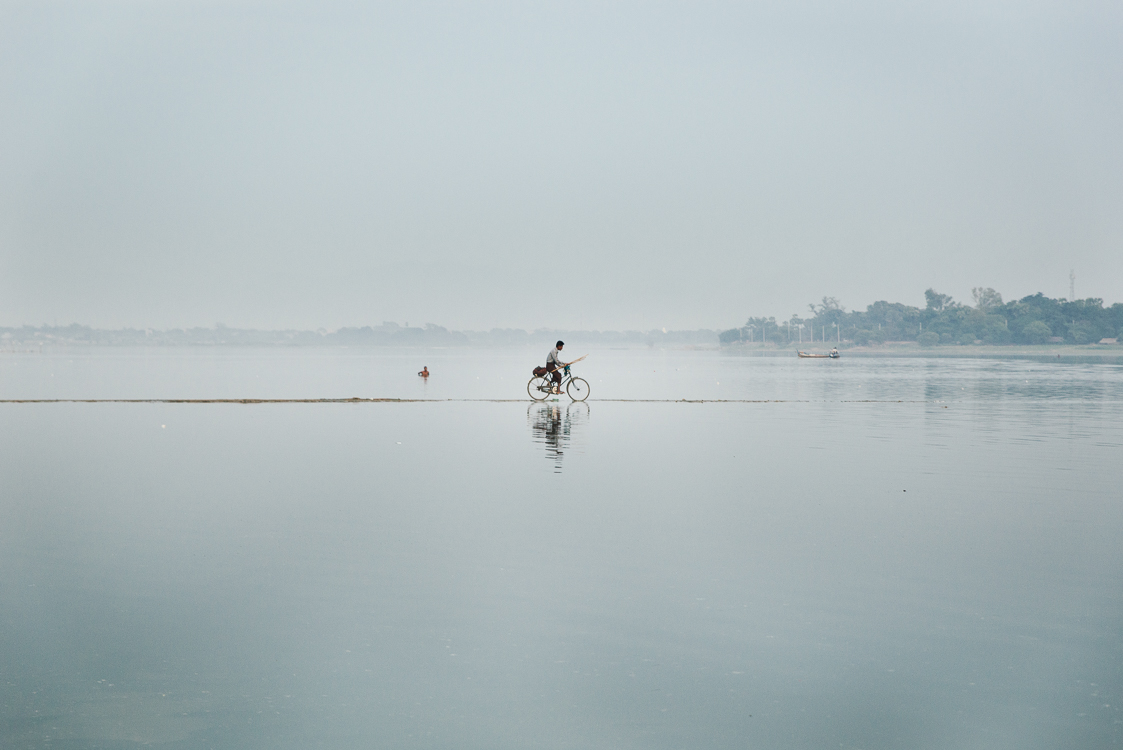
(554, 365)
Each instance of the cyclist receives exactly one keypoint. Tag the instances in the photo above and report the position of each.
(554, 365)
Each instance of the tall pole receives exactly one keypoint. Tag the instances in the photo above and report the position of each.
(1072, 285)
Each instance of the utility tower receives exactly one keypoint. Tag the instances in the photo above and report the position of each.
(1072, 285)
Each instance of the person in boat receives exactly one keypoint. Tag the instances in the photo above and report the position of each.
(424, 371)
(554, 365)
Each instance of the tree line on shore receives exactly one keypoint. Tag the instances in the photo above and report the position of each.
(387, 334)
(1035, 319)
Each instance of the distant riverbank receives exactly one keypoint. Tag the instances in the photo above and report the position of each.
(25, 338)
(1089, 352)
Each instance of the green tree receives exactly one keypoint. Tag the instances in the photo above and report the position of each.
(1083, 332)
(928, 338)
(986, 299)
(995, 330)
(937, 302)
(1036, 332)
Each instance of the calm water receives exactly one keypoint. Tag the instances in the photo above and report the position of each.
(890, 554)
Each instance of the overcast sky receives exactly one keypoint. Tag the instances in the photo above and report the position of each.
(600, 165)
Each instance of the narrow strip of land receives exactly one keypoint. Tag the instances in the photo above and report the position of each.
(441, 401)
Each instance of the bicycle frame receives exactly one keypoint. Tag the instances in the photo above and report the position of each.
(565, 378)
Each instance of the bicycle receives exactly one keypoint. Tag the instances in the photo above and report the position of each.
(541, 387)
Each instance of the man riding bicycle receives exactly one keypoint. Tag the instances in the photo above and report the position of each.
(554, 366)
(548, 380)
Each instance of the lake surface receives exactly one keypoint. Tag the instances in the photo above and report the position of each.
(898, 553)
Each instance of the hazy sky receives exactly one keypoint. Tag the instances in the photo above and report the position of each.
(600, 165)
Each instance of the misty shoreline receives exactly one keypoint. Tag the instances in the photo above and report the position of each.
(46, 343)
(385, 335)
(912, 350)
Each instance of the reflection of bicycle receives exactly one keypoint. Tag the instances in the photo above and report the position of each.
(554, 429)
(541, 386)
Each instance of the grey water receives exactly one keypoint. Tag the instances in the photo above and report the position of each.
(856, 554)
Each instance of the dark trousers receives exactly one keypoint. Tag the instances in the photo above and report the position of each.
(555, 375)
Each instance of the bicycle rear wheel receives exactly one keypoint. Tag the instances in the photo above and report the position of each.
(538, 388)
(578, 389)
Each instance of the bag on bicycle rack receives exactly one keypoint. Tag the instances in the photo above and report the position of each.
(540, 371)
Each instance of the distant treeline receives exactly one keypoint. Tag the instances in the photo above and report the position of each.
(1036, 319)
(387, 334)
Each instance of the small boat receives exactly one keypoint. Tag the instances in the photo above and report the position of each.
(808, 355)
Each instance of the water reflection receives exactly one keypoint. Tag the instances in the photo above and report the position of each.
(556, 427)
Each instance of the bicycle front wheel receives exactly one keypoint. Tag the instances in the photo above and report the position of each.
(578, 389)
(538, 388)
